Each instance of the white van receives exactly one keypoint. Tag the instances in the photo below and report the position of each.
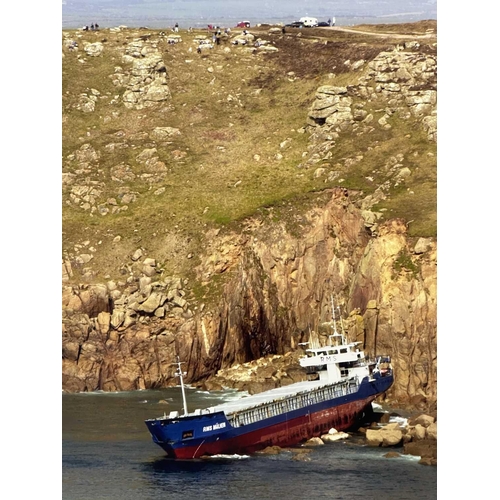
(309, 22)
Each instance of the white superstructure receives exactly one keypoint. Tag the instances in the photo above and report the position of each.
(334, 363)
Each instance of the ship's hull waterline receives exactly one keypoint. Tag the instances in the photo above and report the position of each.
(197, 436)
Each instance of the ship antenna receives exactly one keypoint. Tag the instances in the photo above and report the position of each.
(181, 374)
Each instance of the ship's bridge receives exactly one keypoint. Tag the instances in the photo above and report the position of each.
(345, 353)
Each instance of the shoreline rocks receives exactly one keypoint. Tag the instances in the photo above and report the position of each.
(418, 437)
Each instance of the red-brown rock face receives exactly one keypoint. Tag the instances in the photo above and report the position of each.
(275, 291)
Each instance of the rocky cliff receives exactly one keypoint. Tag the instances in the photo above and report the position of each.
(261, 287)
(274, 293)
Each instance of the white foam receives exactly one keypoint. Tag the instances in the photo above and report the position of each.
(403, 422)
(411, 458)
(227, 457)
(235, 396)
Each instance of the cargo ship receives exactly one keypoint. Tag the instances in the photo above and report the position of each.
(341, 383)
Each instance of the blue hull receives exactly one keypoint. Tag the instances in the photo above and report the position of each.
(194, 436)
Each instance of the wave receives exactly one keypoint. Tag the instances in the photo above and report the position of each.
(222, 395)
(226, 457)
(236, 396)
(403, 422)
(411, 458)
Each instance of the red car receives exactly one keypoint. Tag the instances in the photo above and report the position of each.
(243, 24)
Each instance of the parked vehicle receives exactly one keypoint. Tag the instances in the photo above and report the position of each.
(309, 22)
(295, 24)
(243, 24)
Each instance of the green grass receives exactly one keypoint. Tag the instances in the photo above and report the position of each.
(232, 119)
(404, 263)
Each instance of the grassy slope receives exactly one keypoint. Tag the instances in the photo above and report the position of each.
(229, 107)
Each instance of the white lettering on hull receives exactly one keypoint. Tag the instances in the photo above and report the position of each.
(214, 427)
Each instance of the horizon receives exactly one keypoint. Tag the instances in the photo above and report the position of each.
(197, 13)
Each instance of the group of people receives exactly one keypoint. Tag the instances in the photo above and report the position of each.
(217, 34)
(92, 27)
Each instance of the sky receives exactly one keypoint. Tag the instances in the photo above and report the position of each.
(147, 12)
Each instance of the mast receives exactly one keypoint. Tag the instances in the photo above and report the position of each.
(179, 373)
(335, 332)
(333, 316)
(341, 322)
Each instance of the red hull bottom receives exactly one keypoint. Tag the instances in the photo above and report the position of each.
(284, 434)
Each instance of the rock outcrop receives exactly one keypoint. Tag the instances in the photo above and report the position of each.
(331, 107)
(146, 81)
(406, 80)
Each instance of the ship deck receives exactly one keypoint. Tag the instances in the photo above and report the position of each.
(267, 396)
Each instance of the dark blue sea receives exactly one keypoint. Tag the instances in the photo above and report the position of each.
(108, 454)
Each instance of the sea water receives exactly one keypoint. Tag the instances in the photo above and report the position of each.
(108, 453)
(227, 13)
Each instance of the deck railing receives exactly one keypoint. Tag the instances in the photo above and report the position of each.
(295, 402)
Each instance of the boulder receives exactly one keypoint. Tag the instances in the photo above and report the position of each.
(425, 448)
(136, 255)
(148, 270)
(331, 438)
(70, 350)
(103, 320)
(423, 420)
(384, 437)
(164, 133)
(93, 49)
(145, 284)
(416, 433)
(155, 300)
(332, 106)
(431, 431)
(117, 318)
(314, 441)
(422, 245)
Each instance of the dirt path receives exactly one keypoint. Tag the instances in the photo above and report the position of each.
(385, 35)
